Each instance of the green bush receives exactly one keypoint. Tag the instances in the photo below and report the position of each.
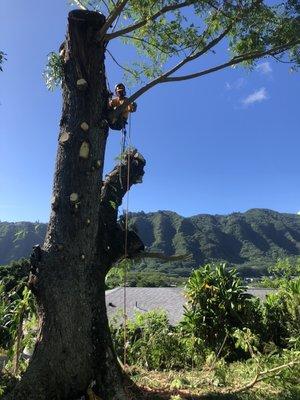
(152, 343)
(282, 272)
(282, 315)
(14, 274)
(218, 305)
(17, 314)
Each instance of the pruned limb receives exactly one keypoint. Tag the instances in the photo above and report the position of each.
(129, 172)
(112, 233)
(265, 374)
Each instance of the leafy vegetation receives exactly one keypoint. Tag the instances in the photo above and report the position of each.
(151, 342)
(223, 381)
(14, 274)
(164, 35)
(281, 272)
(17, 315)
(54, 71)
(227, 342)
(167, 35)
(220, 320)
(218, 307)
(116, 277)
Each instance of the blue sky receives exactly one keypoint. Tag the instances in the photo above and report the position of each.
(223, 143)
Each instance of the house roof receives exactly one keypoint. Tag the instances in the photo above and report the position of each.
(146, 299)
(140, 299)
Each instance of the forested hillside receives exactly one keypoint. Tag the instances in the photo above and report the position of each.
(251, 239)
(17, 239)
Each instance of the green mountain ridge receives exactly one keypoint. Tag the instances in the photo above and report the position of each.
(253, 238)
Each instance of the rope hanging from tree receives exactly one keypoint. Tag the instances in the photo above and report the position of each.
(123, 144)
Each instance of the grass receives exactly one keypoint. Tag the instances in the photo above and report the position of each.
(210, 383)
(214, 380)
(219, 382)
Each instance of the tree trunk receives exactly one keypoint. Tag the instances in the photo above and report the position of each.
(74, 348)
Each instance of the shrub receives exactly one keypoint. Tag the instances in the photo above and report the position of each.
(218, 305)
(153, 343)
(17, 315)
(282, 315)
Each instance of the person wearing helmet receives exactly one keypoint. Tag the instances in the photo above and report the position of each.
(118, 100)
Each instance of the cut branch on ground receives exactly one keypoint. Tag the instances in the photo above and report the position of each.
(260, 376)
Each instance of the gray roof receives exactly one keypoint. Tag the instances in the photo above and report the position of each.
(139, 299)
(261, 293)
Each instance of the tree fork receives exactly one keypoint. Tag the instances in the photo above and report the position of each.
(74, 348)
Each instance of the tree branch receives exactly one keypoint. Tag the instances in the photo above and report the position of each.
(112, 17)
(143, 22)
(147, 43)
(120, 65)
(235, 60)
(163, 78)
(129, 172)
(115, 185)
(106, 5)
(263, 375)
(80, 5)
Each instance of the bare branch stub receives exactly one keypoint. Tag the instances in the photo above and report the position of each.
(115, 185)
(113, 190)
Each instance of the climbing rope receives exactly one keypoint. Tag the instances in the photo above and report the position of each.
(126, 238)
(123, 146)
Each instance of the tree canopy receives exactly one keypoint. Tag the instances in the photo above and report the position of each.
(169, 34)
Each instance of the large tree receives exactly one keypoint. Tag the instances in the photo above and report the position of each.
(84, 238)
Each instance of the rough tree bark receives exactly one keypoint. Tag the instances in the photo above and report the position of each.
(83, 240)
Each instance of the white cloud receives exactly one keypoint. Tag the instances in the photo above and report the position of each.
(256, 97)
(298, 213)
(237, 84)
(264, 68)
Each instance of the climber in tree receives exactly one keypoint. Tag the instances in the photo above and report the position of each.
(118, 122)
